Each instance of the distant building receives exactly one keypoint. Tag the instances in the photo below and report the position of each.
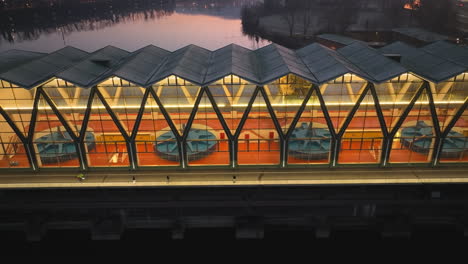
(462, 16)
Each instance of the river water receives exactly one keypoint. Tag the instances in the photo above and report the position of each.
(48, 25)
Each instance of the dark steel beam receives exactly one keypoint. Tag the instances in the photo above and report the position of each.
(346, 123)
(32, 125)
(379, 111)
(246, 113)
(63, 121)
(353, 111)
(435, 121)
(279, 130)
(326, 115)
(223, 124)
(284, 146)
(12, 125)
(444, 134)
(84, 125)
(130, 150)
(169, 121)
(19, 134)
(387, 146)
(235, 142)
(189, 126)
(136, 126)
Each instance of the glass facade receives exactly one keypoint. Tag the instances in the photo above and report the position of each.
(232, 122)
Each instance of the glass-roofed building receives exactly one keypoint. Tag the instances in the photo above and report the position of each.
(234, 107)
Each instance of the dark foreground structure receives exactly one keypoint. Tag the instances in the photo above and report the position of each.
(311, 139)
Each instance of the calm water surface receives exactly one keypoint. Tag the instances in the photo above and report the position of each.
(129, 24)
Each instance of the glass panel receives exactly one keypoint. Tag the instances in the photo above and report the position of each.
(105, 144)
(18, 103)
(232, 99)
(455, 148)
(125, 101)
(178, 97)
(12, 152)
(207, 143)
(449, 97)
(394, 97)
(414, 141)
(259, 140)
(340, 97)
(362, 140)
(155, 142)
(53, 145)
(311, 139)
(71, 101)
(286, 96)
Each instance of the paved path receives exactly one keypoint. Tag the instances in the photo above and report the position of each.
(236, 177)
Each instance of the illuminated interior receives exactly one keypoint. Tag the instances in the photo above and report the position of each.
(232, 122)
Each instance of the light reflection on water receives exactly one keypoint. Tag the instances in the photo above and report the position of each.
(171, 28)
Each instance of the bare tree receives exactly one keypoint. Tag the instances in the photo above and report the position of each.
(306, 15)
(291, 14)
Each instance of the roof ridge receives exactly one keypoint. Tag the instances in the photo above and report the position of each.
(305, 64)
(358, 66)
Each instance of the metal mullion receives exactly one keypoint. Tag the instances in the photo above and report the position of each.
(299, 112)
(283, 144)
(331, 129)
(346, 123)
(32, 124)
(139, 117)
(246, 113)
(84, 125)
(185, 134)
(31, 156)
(12, 125)
(235, 142)
(353, 111)
(456, 117)
(124, 133)
(284, 150)
(383, 125)
(386, 147)
(137, 125)
(193, 113)
(408, 109)
(87, 114)
(223, 124)
(78, 146)
(378, 109)
(218, 113)
(170, 123)
(435, 122)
